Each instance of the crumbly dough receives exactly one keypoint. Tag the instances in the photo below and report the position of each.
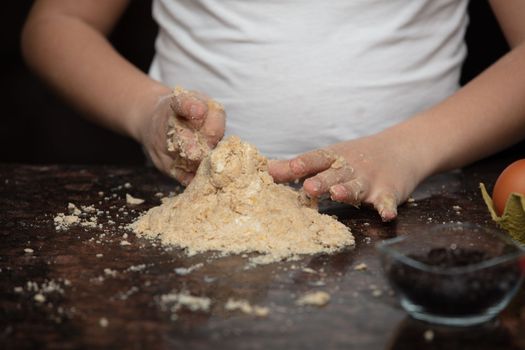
(233, 206)
(197, 143)
(188, 148)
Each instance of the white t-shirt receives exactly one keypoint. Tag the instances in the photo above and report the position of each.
(295, 75)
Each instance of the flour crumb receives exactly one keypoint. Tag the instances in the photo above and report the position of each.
(136, 268)
(314, 299)
(124, 242)
(90, 209)
(245, 307)
(103, 322)
(110, 272)
(28, 251)
(63, 221)
(376, 292)
(39, 297)
(132, 200)
(128, 293)
(309, 270)
(73, 209)
(86, 216)
(428, 335)
(318, 283)
(361, 267)
(187, 270)
(173, 302)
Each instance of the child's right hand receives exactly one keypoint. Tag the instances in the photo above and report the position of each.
(198, 127)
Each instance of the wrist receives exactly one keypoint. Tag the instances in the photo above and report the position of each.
(416, 156)
(142, 109)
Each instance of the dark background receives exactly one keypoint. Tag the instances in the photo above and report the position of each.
(36, 126)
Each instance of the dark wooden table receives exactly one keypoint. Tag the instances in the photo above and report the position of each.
(82, 288)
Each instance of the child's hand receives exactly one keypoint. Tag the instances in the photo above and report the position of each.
(376, 170)
(195, 124)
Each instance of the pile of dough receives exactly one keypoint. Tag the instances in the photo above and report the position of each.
(233, 206)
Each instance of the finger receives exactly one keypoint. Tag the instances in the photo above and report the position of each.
(321, 183)
(190, 106)
(214, 124)
(351, 192)
(185, 143)
(386, 205)
(280, 170)
(312, 162)
(305, 164)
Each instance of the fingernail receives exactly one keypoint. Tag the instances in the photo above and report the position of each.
(315, 185)
(336, 192)
(388, 215)
(194, 111)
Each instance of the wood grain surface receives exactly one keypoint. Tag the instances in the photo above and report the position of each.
(99, 292)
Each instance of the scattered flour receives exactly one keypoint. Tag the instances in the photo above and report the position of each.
(85, 217)
(234, 207)
(63, 221)
(132, 200)
(187, 270)
(136, 268)
(173, 302)
(361, 267)
(42, 290)
(103, 322)
(246, 307)
(187, 300)
(110, 272)
(309, 270)
(428, 335)
(314, 299)
(39, 297)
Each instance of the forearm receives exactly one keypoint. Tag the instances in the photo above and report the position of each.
(483, 117)
(78, 61)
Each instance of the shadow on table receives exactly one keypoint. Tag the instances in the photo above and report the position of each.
(414, 334)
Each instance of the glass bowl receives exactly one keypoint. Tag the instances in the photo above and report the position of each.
(453, 274)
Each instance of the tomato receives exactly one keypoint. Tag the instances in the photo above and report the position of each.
(511, 180)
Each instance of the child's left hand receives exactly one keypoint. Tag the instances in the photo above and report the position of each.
(380, 170)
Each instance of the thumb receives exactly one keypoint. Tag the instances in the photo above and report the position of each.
(189, 106)
(280, 170)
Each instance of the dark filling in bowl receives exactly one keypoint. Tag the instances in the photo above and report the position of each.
(462, 294)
